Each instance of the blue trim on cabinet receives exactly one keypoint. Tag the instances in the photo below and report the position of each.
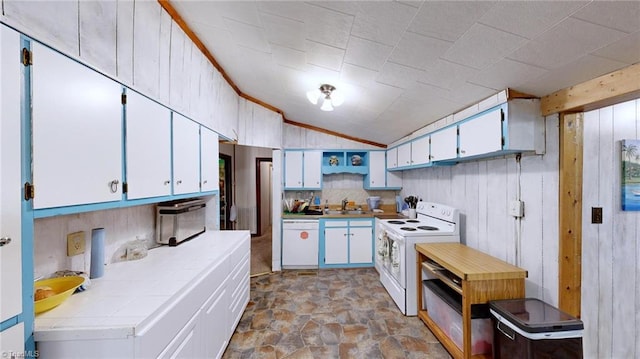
(27, 212)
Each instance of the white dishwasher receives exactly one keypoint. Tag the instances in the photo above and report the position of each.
(300, 243)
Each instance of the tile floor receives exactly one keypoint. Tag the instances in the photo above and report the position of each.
(328, 313)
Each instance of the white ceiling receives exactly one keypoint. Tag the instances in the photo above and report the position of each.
(404, 64)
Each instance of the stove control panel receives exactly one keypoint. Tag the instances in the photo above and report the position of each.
(439, 211)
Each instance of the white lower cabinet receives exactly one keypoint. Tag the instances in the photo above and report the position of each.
(346, 243)
(12, 341)
(198, 323)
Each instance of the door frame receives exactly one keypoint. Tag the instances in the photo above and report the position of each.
(259, 161)
(227, 187)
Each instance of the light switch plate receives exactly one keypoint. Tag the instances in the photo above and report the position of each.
(516, 209)
(75, 243)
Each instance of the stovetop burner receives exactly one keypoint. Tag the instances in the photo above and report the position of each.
(412, 221)
(410, 229)
(396, 222)
(428, 228)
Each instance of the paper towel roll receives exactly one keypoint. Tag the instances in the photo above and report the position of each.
(97, 253)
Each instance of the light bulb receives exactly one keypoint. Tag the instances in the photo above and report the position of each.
(336, 98)
(326, 105)
(313, 96)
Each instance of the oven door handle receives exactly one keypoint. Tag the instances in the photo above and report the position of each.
(395, 237)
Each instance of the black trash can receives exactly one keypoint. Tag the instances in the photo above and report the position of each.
(529, 328)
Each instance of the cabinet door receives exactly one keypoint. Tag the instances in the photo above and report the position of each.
(444, 144)
(210, 170)
(360, 245)
(148, 139)
(420, 151)
(377, 169)
(404, 155)
(186, 155)
(336, 246)
(293, 169)
(214, 323)
(12, 341)
(77, 132)
(392, 158)
(188, 342)
(10, 183)
(312, 169)
(481, 135)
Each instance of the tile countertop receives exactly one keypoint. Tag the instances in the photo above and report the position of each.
(384, 215)
(123, 301)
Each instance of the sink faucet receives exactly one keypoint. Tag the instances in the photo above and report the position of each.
(344, 203)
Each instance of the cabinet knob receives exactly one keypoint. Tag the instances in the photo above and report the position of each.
(205, 182)
(4, 241)
(463, 151)
(179, 182)
(167, 182)
(113, 185)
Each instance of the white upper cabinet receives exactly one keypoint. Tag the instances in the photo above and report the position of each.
(481, 135)
(293, 169)
(258, 126)
(148, 147)
(210, 170)
(312, 169)
(420, 151)
(392, 158)
(12, 339)
(444, 144)
(186, 155)
(226, 117)
(303, 169)
(377, 177)
(77, 132)
(404, 155)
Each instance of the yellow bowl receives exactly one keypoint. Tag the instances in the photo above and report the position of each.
(62, 286)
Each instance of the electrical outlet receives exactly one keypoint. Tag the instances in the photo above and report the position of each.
(596, 215)
(516, 209)
(75, 243)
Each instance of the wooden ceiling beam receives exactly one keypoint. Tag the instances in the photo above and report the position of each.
(606, 90)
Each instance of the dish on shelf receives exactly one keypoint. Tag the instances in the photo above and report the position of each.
(334, 161)
(356, 160)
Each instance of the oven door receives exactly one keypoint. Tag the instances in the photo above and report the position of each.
(397, 257)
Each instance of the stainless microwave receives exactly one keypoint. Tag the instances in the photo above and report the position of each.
(179, 221)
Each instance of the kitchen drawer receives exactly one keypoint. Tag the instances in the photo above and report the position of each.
(239, 289)
(236, 256)
(362, 223)
(336, 223)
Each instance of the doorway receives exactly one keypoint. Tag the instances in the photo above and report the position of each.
(226, 194)
(264, 168)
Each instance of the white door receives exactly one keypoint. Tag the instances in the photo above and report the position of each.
(444, 144)
(312, 169)
(77, 132)
(404, 155)
(377, 169)
(336, 246)
(186, 155)
(210, 170)
(481, 135)
(148, 147)
(12, 341)
(10, 183)
(360, 245)
(187, 343)
(293, 169)
(420, 151)
(392, 158)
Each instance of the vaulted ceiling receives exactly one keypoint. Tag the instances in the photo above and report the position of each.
(404, 64)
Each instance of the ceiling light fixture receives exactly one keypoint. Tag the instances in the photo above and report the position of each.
(331, 97)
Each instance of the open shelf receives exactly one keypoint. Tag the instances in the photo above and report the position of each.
(345, 162)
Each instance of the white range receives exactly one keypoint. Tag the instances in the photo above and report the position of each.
(395, 249)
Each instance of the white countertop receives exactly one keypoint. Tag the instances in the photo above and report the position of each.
(121, 302)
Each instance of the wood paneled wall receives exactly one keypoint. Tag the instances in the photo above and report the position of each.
(482, 191)
(610, 251)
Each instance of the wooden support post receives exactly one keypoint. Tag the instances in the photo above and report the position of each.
(570, 202)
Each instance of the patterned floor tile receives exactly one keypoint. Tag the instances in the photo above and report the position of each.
(333, 313)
